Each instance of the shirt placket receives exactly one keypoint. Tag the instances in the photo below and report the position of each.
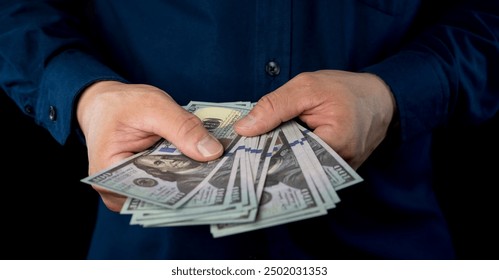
(272, 45)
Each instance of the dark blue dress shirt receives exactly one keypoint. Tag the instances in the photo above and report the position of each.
(438, 57)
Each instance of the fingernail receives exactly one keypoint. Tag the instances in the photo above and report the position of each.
(209, 146)
(246, 122)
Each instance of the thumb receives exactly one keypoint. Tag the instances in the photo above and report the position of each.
(270, 111)
(187, 133)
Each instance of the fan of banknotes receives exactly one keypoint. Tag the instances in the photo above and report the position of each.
(286, 175)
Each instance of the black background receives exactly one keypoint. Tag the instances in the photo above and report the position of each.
(47, 213)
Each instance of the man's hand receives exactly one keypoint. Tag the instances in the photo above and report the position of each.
(120, 119)
(349, 111)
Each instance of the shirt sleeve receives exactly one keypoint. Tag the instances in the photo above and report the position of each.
(448, 75)
(46, 61)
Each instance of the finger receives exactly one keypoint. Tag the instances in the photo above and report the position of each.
(270, 111)
(186, 132)
(113, 201)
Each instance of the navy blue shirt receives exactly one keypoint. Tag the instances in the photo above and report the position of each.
(438, 57)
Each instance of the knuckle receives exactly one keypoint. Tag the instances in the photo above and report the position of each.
(267, 103)
(188, 126)
(304, 78)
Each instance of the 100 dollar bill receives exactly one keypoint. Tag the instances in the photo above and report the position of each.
(164, 176)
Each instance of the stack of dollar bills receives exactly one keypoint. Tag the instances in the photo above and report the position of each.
(286, 175)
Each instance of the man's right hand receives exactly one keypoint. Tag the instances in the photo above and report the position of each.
(119, 120)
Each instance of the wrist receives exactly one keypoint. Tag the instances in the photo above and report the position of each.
(86, 101)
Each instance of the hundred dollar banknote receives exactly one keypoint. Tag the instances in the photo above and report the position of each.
(285, 175)
(162, 175)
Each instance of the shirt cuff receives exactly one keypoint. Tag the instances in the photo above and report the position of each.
(65, 77)
(420, 89)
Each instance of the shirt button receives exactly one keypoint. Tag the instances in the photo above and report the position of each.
(28, 109)
(272, 68)
(52, 113)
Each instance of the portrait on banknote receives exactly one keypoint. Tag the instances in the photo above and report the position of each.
(186, 172)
